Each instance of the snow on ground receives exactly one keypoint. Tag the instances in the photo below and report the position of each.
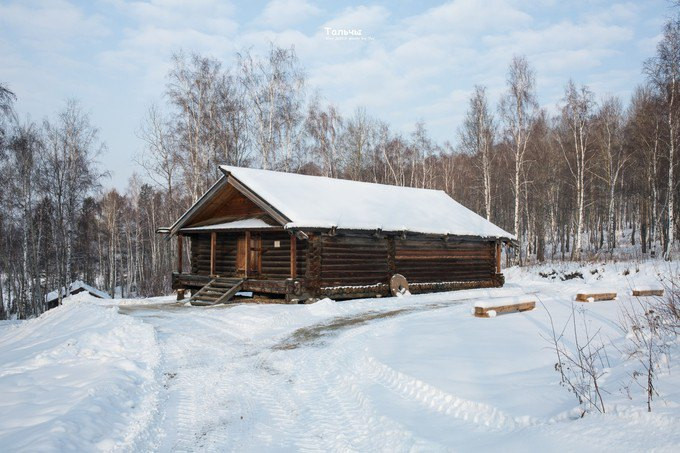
(79, 378)
(391, 374)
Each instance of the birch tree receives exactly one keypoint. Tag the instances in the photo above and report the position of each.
(357, 140)
(69, 175)
(160, 157)
(644, 126)
(609, 130)
(275, 88)
(518, 110)
(663, 72)
(575, 144)
(476, 138)
(192, 87)
(324, 129)
(25, 147)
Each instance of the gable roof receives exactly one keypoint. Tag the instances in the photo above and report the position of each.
(301, 201)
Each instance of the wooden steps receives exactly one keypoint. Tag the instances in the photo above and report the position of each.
(218, 291)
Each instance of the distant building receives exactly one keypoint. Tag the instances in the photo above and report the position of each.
(76, 287)
(304, 237)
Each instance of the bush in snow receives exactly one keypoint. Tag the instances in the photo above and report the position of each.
(582, 365)
(651, 328)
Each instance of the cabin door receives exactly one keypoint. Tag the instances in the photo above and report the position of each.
(249, 255)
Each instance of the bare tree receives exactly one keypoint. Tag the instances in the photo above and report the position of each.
(518, 110)
(663, 72)
(477, 137)
(201, 94)
(358, 138)
(160, 158)
(644, 136)
(324, 128)
(575, 141)
(25, 147)
(609, 130)
(275, 87)
(69, 175)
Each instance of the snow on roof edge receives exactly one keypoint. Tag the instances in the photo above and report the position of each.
(236, 224)
(77, 284)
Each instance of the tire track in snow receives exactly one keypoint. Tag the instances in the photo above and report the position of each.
(437, 400)
(233, 392)
(342, 415)
(196, 413)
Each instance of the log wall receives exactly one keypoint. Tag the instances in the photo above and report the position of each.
(441, 261)
(225, 254)
(326, 262)
(353, 261)
(275, 260)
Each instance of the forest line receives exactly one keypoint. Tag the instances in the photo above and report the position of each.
(597, 179)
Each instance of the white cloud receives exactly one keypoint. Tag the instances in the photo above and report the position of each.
(208, 16)
(465, 16)
(50, 25)
(369, 19)
(157, 28)
(280, 14)
(418, 66)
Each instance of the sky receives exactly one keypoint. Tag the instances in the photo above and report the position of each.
(414, 60)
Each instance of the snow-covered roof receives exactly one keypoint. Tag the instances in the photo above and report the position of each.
(319, 202)
(253, 223)
(78, 284)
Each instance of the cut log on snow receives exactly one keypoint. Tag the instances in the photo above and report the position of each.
(641, 291)
(592, 296)
(502, 305)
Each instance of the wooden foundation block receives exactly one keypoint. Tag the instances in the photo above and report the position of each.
(592, 297)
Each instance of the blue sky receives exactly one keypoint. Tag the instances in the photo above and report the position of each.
(420, 60)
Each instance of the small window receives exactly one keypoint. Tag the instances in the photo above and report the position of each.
(277, 244)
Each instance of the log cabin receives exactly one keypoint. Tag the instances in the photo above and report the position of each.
(299, 238)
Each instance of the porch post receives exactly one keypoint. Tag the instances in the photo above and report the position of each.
(247, 253)
(293, 256)
(213, 243)
(179, 253)
(498, 257)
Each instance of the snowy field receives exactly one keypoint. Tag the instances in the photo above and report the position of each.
(394, 374)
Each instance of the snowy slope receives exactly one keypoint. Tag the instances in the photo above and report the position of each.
(79, 378)
(391, 374)
(314, 201)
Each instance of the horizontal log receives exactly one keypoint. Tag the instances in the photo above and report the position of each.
(446, 276)
(443, 274)
(351, 252)
(443, 256)
(368, 265)
(439, 272)
(593, 296)
(483, 312)
(341, 250)
(445, 270)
